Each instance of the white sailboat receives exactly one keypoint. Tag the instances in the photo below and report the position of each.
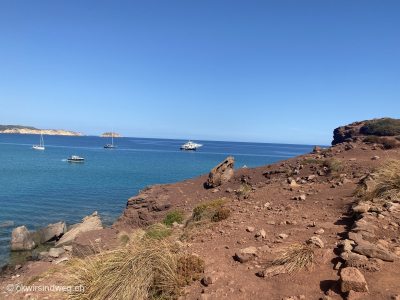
(41, 146)
(112, 141)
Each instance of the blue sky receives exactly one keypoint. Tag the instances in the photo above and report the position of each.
(285, 71)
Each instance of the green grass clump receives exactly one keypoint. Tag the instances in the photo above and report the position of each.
(175, 216)
(385, 127)
(312, 161)
(372, 139)
(333, 165)
(158, 231)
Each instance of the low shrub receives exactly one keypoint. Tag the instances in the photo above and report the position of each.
(190, 269)
(384, 127)
(175, 216)
(206, 210)
(333, 165)
(326, 151)
(389, 144)
(372, 139)
(221, 214)
(245, 189)
(312, 161)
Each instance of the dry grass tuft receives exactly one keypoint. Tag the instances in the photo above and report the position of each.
(146, 268)
(388, 180)
(245, 189)
(295, 257)
(383, 183)
(36, 278)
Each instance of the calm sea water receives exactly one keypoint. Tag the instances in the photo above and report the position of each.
(40, 187)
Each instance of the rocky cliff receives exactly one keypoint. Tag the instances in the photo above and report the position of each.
(357, 130)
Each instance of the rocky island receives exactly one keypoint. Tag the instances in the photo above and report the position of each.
(18, 129)
(110, 134)
(323, 225)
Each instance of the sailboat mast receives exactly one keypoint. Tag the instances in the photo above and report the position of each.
(112, 137)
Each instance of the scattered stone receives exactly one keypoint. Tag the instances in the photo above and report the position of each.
(375, 157)
(361, 208)
(21, 239)
(61, 260)
(319, 231)
(272, 271)
(210, 278)
(311, 177)
(283, 236)
(302, 197)
(316, 241)
(338, 265)
(261, 233)
(352, 280)
(250, 229)
(346, 245)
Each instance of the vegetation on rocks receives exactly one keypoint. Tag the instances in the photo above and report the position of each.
(385, 142)
(175, 216)
(384, 127)
(206, 210)
(244, 190)
(158, 231)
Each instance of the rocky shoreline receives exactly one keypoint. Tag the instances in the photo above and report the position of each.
(41, 131)
(320, 202)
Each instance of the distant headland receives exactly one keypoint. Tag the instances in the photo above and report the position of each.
(110, 134)
(18, 129)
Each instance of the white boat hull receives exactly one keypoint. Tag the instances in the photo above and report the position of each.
(38, 147)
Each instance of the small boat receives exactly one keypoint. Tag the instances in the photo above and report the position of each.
(190, 146)
(41, 146)
(112, 142)
(75, 158)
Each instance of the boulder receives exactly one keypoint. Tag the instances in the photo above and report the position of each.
(221, 173)
(49, 233)
(89, 223)
(246, 254)
(372, 251)
(21, 239)
(56, 252)
(351, 279)
(317, 149)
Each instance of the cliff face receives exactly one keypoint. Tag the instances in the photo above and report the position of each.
(39, 131)
(109, 134)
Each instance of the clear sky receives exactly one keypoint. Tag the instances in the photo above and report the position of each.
(285, 71)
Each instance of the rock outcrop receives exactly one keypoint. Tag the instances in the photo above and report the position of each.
(21, 239)
(221, 173)
(89, 223)
(49, 233)
(111, 134)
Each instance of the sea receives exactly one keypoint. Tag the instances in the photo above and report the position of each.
(39, 187)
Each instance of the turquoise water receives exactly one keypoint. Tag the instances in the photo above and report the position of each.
(40, 187)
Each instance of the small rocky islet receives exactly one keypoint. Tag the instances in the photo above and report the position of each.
(317, 226)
